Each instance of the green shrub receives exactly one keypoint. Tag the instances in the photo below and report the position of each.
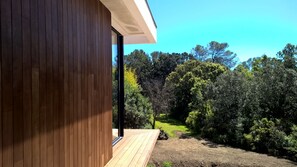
(167, 164)
(150, 165)
(264, 136)
(193, 120)
(292, 143)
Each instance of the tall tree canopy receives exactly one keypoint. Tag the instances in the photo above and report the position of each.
(139, 61)
(188, 81)
(289, 56)
(216, 52)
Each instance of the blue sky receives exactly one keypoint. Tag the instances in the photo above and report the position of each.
(250, 27)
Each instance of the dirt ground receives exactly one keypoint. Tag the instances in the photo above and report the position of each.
(192, 152)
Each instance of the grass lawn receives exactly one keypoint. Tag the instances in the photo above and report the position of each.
(170, 126)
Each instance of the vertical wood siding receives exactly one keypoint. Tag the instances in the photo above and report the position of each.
(55, 91)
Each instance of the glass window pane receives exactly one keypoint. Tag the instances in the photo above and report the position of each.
(115, 81)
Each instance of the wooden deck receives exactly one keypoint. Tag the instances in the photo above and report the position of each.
(134, 149)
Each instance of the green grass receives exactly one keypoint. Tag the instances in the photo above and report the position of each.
(170, 126)
(150, 165)
(167, 164)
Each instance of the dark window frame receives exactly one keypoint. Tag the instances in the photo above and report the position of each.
(120, 70)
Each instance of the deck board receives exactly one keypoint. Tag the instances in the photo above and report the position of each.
(134, 149)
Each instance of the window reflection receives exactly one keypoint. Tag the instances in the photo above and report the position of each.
(115, 81)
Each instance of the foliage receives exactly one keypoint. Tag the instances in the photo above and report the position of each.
(167, 164)
(289, 55)
(165, 63)
(130, 78)
(277, 91)
(266, 137)
(292, 143)
(193, 120)
(155, 67)
(151, 73)
(188, 81)
(150, 165)
(139, 61)
(253, 106)
(137, 107)
(216, 52)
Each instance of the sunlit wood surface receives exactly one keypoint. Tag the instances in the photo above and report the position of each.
(134, 149)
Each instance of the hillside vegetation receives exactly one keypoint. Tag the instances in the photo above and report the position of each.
(250, 105)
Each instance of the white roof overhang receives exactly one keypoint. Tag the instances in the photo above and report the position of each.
(133, 19)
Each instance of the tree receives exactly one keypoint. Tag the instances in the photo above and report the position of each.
(227, 96)
(141, 63)
(200, 52)
(277, 91)
(160, 97)
(137, 107)
(216, 52)
(289, 55)
(187, 82)
(265, 136)
(163, 64)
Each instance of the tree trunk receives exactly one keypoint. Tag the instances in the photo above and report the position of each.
(154, 122)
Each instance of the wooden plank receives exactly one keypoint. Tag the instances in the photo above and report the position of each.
(122, 150)
(18, 147)
(70, 82)
(65, 85)
(35, 83)
(55, 85)
(92, 119)
(49, 84)
(127, 147)
(148, 149)
(7, 102)
(1, 135)
(27, 82)
(106, 18)
(42, 83)
(97, 95)
(75, 82)
(85, 155)
(79, 85)
(0, 94)
(134, 149)
(141, 148)
(89, 84)
(100, 89)
(61, 83)
(93, 75)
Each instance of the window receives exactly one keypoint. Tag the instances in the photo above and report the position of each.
(117, 86)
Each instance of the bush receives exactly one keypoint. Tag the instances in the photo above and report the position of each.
(193, 120)
(150, 165)
(292, 143)
(265, 137)
(137, 107)
(137, 110)
(167, 164)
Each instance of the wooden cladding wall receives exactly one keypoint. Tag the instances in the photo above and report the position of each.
(55, 75)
